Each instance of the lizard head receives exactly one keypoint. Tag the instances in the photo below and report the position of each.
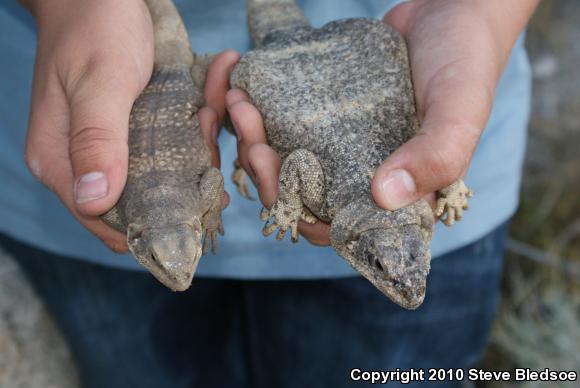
(171, 253)
(390, 249)
(396, 261)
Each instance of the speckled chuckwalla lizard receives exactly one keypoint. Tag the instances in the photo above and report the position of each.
(172, 199)
(336, 102)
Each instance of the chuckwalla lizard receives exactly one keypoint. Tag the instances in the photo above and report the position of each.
(171, 204)
(336, 102)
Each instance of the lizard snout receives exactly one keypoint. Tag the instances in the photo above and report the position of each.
(397, 262)
(171, 253)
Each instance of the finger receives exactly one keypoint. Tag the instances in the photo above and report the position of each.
(427, 163)
(217, 83)
(236, 95)
(225, 201)
(266, 165)
(100, 104)
(114, 240)
(399, 16)
(456, 112)
(317, 234)
(249, 128)
(209, 122)
(47, 157)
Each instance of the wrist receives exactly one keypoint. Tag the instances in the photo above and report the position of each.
(507, 19)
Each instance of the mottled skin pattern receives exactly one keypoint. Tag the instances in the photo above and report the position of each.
(173, 197)
(336, 102)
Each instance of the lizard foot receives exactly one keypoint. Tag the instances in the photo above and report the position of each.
(210, 234)
(300, 188)
(284, 216)
(451, 201)
(239, 178)
(211, 187)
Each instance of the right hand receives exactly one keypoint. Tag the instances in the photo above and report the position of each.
(93, 59)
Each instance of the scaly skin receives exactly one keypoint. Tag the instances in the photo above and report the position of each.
(173, 197)
(336, 102)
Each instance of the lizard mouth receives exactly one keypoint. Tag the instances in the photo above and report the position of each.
(177, 282)
(170, 253)
(395, 261)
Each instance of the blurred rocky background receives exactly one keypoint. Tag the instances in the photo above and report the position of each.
(539, 322)
(32, 352)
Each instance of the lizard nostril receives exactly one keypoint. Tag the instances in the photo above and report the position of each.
(374, 261)
(154, 258)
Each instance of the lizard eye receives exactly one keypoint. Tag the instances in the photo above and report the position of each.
(374, 261)
(135, 232)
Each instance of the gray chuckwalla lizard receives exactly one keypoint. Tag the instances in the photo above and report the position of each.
(336, 102)
(170, 208)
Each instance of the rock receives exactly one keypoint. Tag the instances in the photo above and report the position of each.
(33, 353)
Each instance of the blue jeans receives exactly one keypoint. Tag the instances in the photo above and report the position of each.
(126, 330)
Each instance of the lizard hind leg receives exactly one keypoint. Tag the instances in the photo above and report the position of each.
(300, 191)
(451, 201)
(212, 193)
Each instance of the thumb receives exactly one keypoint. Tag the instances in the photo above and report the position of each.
(99, 119)
(440, 153)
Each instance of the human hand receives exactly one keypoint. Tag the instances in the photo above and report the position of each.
(457, 51)
(93, 59)
(261, 162)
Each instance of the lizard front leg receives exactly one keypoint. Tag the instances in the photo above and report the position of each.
(451, 201)
(300, 190)
(212, 193)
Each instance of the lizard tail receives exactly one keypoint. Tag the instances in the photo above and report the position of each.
(268, 16)
(171, 40)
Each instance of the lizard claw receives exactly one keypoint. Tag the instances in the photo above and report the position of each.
(451, 202)
(210, 236)
(282, 217)
(308, 217)
(239, 178)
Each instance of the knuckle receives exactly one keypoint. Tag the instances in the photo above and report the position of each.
(34, 162)
(98, 72)
(446, 164)
(31, 159)
(91, 143)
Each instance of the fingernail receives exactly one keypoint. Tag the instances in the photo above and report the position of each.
(214, 133)
(398, 189)
(91, 186)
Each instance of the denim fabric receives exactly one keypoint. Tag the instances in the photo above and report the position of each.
(127, 330)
